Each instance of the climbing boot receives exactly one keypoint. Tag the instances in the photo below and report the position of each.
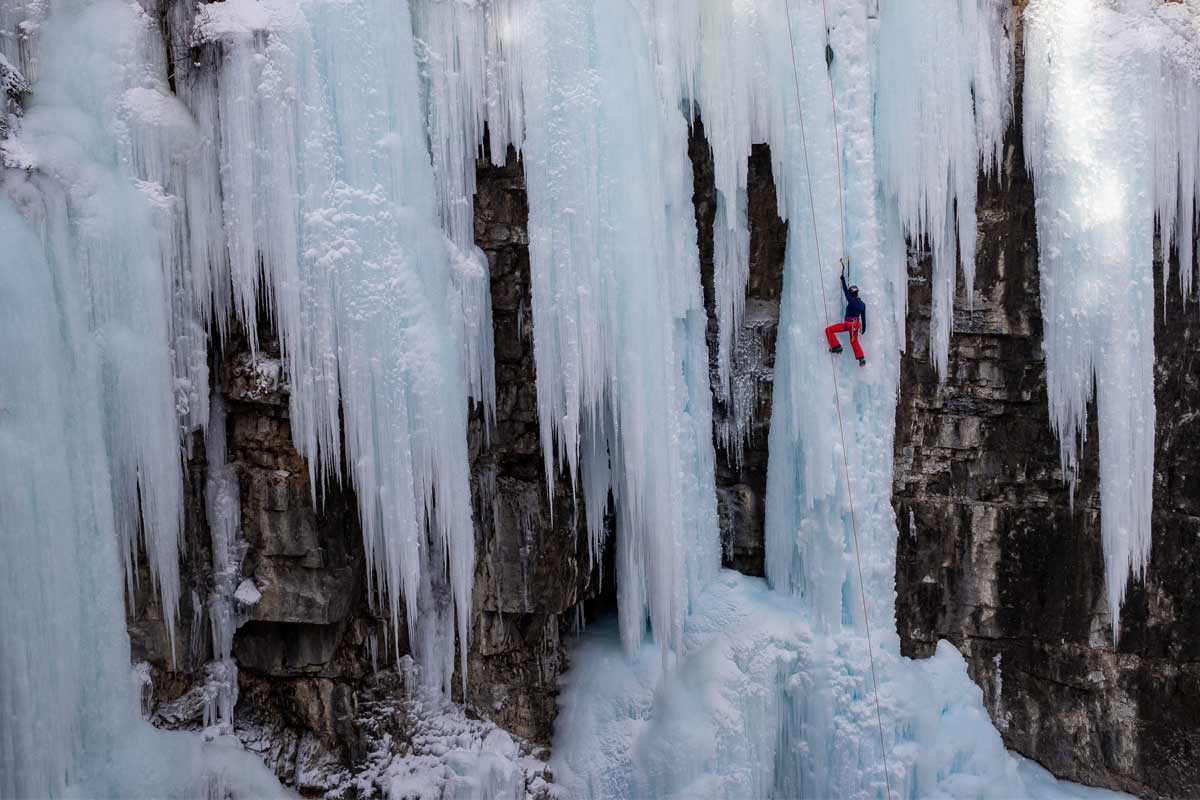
(862, 362)
(837, 349)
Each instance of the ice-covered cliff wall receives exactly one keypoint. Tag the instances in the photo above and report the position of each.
(317, 177)
(101, 364)
(359, 278)
(1109, 160)
(1003, 557)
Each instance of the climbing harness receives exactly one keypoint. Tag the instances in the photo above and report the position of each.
(832, 365)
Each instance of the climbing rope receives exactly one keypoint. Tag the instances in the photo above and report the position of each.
(862, 592)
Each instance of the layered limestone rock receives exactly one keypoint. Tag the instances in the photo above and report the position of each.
(993, 557)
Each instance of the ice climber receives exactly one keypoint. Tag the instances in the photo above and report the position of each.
(854, 321)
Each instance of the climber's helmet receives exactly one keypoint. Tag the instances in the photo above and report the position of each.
(854, 291)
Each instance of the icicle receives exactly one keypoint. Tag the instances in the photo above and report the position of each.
(452, 46)
(228, 599)
(618, 320)
(943, 104)
(331, 194)
(1107, 156)
(1175, 113)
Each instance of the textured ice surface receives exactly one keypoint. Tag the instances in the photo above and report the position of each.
(1112, 114)
(70, 720)
(944, 101)
(328, 196)
(761, 705)
(93, 192)
(99, 375)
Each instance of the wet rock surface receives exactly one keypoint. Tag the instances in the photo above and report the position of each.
(992, 556)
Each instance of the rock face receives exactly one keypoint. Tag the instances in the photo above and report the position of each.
(991, 555)
(12, 85)
(533, 570)
(311, 644)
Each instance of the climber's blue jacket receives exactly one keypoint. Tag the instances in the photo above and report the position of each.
(855, 308)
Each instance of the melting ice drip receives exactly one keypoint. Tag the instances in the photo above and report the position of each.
(1112, 114)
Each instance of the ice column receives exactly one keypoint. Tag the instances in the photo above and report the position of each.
(89, 433)
(618, 314)
(328, 193)
(226, 601)
(808, 526)
(61, 630)
(943, 103)
(1108, 155)
(105, 127)
(452, 46)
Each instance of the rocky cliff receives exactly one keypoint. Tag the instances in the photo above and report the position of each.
(993, 557)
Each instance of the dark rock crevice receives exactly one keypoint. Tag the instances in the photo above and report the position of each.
(533, 570)
(741, 471)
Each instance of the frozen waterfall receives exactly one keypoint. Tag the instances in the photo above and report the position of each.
(311, 167)
(96, 380)
(379, 312)
(772, 693)
(1110, 160)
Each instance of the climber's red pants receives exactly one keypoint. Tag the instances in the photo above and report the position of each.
(852, 325)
